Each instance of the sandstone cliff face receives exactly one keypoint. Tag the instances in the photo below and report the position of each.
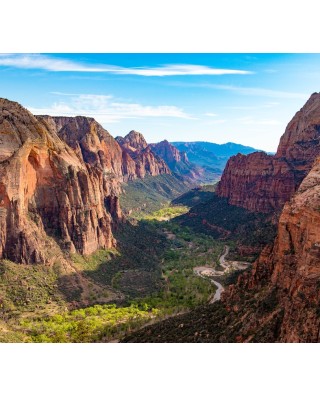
(94, 145)
(46, 190)
(296, 262)
(289, 270)
(169, 153)
(178, 162)
(146, 161)
(134, 140)
(263, 183)
(257, 182)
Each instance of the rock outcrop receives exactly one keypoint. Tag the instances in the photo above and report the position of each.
(169, 153)
(146, 161)
(48, 190)
(178, 162)
(264, 183)
(94, 145)
(60, 177)
(133, 141)
(258, 182)
(289, 270)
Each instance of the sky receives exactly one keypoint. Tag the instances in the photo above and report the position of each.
(242, 98)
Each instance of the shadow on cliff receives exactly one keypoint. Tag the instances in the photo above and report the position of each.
(194, 197)
(133, 269)
(250, 231)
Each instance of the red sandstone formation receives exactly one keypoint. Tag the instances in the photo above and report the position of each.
(263, 183)
(61, 177)
(147, 162)
(94, 145)
(46, 190)
(291, 269)
(178, 161)
(169, 153)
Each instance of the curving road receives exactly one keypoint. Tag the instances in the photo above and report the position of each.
(209, 272)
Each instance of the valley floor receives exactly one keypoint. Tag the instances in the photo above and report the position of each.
(160, 269)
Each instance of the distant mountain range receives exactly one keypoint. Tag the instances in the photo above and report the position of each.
(212, 156)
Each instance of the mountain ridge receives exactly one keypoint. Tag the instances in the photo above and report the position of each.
(263, 183)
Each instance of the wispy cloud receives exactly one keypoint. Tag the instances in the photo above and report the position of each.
(54, 64)
(210, 114)
(248, 120)
(213, 122)
(263, 106)
(264, 92)
(253, 91)
(106, 109)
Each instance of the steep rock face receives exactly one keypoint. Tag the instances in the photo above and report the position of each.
(46, 190)
(146, 161)
(169, 153)
(178, 162)
(263, 183)
(94, 145)
(296, 262)
(257, 182)
(133, 141)
(290, 270)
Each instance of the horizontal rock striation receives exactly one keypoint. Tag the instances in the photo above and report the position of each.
(47, 190)
(263, 183)
(290, 270)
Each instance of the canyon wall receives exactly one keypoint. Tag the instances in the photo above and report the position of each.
(263, 183)
(46, 191)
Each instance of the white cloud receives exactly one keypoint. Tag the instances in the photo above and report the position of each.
(263, 106)
(254, 91)
(105, 109)
(212, 122)
(49, 63)
(265, 92)
(210, 114)
(248, 120)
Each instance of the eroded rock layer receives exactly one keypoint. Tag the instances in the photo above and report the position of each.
(263, 183)
(47, 190)
(290, 271)
(146, 161)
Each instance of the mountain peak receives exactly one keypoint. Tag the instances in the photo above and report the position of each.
(136, 140)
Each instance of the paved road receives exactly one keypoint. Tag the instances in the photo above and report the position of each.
(209, 272)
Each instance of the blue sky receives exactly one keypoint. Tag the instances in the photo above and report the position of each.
(243, 98)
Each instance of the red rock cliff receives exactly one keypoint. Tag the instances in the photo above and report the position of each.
(146, 161)
(178, 162)
(263, 183)
(169, 153)
(94, 145)
(289, 270)
(46, 189)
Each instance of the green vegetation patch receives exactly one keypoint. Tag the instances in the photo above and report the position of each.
(221, 220)
(93, 324)
(182, 288)
(144, 196)
(28, 288)
(167, 213)
(195, 196)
